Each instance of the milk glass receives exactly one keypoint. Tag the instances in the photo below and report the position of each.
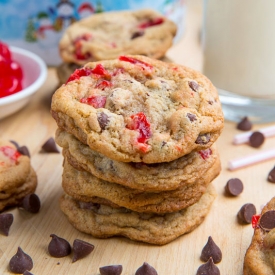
(239, 56)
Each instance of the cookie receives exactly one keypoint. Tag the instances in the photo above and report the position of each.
(103, 221)
(259, 257)
(14, 196)
(83, 186)
(17, 177)
(148, 177)
(137, 109)
(110, 34)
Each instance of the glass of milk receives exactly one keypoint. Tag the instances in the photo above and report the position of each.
(239, 56)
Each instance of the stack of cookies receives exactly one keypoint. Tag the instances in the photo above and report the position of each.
(138, 138)
(108, 35)
(17, 177)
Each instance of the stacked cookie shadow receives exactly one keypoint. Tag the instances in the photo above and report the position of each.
(107, 35)
(139, 153)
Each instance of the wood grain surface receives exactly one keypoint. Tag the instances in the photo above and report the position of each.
(33, 125)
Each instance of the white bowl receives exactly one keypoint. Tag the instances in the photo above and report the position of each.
(34, 76)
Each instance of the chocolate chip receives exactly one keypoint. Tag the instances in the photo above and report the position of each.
(110, 270)
(137, 34)
(194, 85)
(267, 220)
(246, 213)
(6, 220)
(31, 203)
(245, 124)
(89, 205)
(211, 250)
(271, 175)
(191, 117)
(203, 139)
(234, 187)
(20, 262)
(14, 143)
(24, 151)
(146, 269)
(81, 249)
(59, 247)
(208, 269)
(103, 120)
(50, 146)
(256, 139)
(27, 273)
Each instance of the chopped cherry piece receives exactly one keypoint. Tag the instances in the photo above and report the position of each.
(80, 56)
(10, 152)
(139, 122)
(4, 51)
(151, 22)
(103, 84)
(205, 153)
(100, 70)
(134, 61)
(78, 46)
(95, 101)
(255, 220)
(79, 73)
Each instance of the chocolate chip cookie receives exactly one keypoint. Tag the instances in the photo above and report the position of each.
(259, 257)
(138, 109)
(149, 177)
(17, 177)
(103, 221)
(84, 186)
(110, 34)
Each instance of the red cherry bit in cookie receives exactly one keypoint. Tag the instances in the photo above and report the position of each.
(100, 70)
(205, 153)
(135, 61)
(103, 84)
(79, 73)
(95, 101)
(78, 46)
(139, 122)
(255, 221)
(151, 23)
(10, 153)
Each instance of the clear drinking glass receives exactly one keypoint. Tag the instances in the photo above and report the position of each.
(239, 56)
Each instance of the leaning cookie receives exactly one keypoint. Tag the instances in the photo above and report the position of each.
(137, 109)
(14, 196)
(110, 34)
(85, 187)
(17, 177)
(149, 177)
(103, 221)
(259, 257)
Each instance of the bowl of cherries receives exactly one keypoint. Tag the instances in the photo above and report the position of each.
(22, 73)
